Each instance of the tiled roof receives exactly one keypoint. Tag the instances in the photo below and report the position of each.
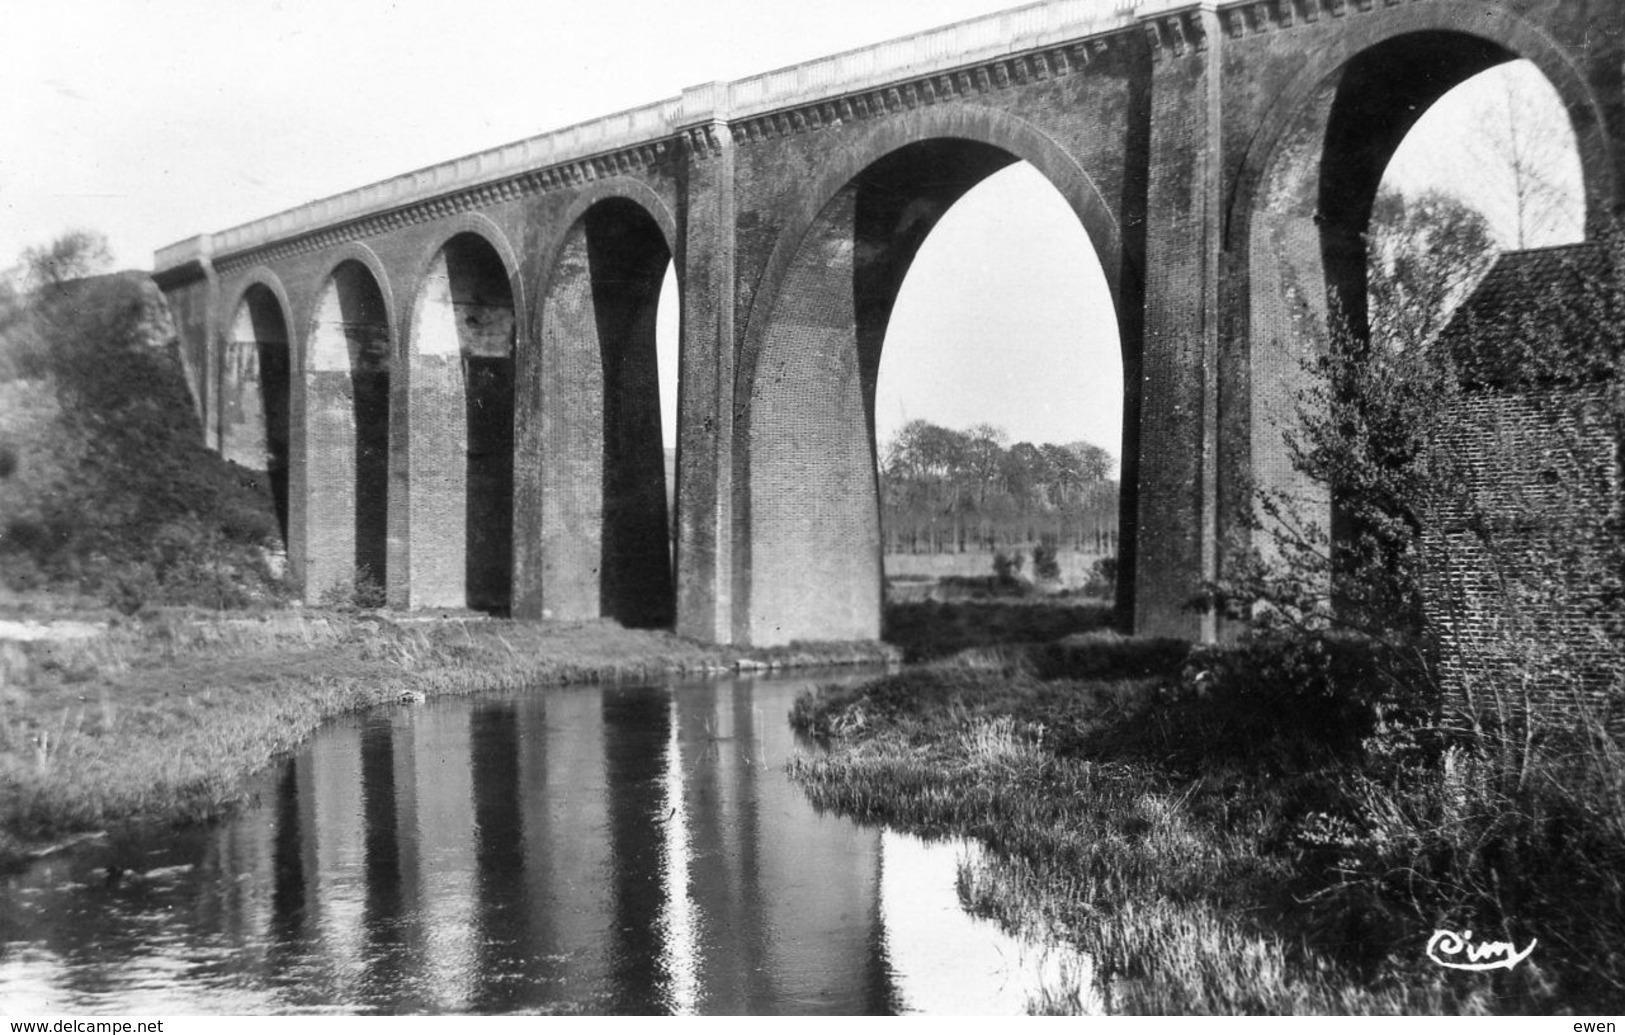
(1527, 295)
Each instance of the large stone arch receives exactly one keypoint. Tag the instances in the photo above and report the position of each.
(1019, 138)
(1301, 204)
(592, 534)
(456, 444)
(804, 398)
(351, 483)
(1599, 153)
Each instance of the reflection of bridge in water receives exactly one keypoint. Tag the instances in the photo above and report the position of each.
(629, 850)
(631, 844)
(450, 375)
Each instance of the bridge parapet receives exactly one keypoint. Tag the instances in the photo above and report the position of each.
(938, 50)
(193, 249)
(605, 135)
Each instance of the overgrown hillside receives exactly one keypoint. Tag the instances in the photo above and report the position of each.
(106, 488)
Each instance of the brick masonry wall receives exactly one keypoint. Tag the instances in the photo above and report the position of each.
(461, 465)
(1524, 555)
(347, 394)
(814, 518)
(569, 384)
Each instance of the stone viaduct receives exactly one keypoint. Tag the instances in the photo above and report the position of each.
(450, 375)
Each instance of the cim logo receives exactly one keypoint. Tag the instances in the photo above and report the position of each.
(1460, 952)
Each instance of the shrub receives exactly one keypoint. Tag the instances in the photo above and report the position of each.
(1102, 581)
(1007, 566)
(110, 488)
(1046, 560)
(366, 593)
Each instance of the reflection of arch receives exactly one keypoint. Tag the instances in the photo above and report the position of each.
(460, 452)
(256, 386)
(347, 414)
(590, 481)
(805, 507)
(1301, 206)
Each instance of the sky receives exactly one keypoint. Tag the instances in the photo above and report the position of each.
(154, 121)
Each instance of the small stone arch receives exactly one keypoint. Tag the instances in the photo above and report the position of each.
(623, 188)
(352, 251)
(593, 529)
(484, 227)
(267, 278)
(257, 390)
(350, 460)
(456, 536)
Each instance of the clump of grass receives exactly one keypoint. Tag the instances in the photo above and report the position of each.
(928, 629)
(1272, 827)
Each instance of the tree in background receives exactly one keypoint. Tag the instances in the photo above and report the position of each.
(1523, 152)
(74, 255)
(956, 490)
(1424, 253)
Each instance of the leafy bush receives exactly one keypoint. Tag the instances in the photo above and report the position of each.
(1007, 566)
(1046, 560)
(1271, 705)
(112, 490)
(1485, 785)
(365, 593)
(1102, 581)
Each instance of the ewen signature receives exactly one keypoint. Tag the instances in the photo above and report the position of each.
(1449, 949)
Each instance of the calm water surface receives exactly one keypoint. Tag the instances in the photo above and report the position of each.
(615, 849)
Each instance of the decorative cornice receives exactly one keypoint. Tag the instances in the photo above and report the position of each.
(964, 83)
(1176, 32)
(1257, 16)
(962, 61)
(551, 178)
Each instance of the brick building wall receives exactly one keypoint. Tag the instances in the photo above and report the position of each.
(1526, 546)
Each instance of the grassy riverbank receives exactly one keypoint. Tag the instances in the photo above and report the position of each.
(1251, 830)
(158, 718)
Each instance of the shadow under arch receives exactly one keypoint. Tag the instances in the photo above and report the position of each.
(1301, 209)
(256, 391)
(459, 449)
(593, 537)
(806, 508)
(347, 415)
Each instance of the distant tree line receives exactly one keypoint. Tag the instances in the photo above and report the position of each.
(946, 491)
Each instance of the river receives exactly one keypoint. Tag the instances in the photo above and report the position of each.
(617, 849)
